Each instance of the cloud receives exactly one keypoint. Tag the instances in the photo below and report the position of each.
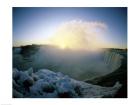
(78, 34)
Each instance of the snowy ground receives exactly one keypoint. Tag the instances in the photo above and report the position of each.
(48, 84)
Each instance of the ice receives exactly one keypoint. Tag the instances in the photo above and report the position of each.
(48, 84)
(64, 86)
(29, 71)
(15, 73)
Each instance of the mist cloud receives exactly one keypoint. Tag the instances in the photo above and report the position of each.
(78, 34)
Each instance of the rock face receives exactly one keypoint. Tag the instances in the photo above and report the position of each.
(47, 84)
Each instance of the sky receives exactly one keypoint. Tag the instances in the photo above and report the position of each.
(72, 27)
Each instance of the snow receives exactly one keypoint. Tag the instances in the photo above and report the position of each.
(48, 84)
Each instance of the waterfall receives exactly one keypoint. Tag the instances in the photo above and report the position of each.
(112, 60)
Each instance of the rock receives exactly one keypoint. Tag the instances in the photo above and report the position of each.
(66, 95)
(29, 71)
(36, 89)
(28, 82)
(15, 85)
(15, 74)
(78, 90)
(49, 88)
(17, 94)
(65, 88)
(64, 85)
(35, 77)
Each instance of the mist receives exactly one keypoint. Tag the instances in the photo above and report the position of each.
(78, 34)
(78, 64)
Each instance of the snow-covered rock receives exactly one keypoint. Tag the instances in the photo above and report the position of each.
(48, 84)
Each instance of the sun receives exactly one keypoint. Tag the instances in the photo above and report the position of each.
(63, 46)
